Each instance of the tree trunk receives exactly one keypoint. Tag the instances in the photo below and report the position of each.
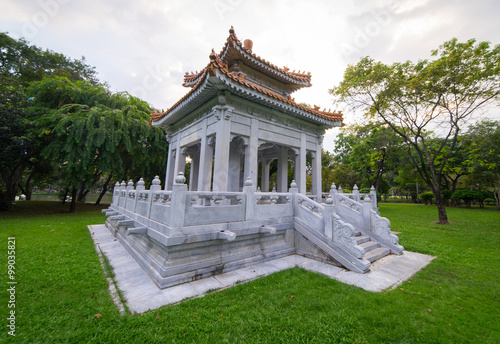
(496, 193)
(74, 194)
(65, 196)
(11, 181)
(82, 192)
(443, 217)
(27, 188)
(104, 189)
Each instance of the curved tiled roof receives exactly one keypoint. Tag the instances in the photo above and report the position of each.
(195, 81)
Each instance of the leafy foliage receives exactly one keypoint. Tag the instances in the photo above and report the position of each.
(482, 146)
(415, 98)
(467, 196)
(20, 65)
(92, 132)
(426, 197)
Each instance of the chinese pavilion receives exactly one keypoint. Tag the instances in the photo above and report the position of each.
(237, 115)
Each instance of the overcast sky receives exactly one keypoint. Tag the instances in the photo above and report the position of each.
(145, 46)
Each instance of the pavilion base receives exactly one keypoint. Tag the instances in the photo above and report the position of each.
(194, 258)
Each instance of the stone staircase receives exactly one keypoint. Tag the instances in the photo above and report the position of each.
(373, 249)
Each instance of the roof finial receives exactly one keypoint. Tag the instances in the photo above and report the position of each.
(213, 55)
(231, 30)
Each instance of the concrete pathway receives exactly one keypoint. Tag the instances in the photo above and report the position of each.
(142, 294)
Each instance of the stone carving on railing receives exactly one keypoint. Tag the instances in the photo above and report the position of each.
(382, 227)
(162, 197)
(216, 199)
(272, 197)
(142, 196)
(349, 203)
(343, 234)
(309, 204)
(355, 195)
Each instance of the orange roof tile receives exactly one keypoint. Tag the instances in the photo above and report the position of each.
(194, 80)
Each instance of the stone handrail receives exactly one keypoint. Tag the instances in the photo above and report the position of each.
(308, 203)
(215, 198)
(339, 219)
(273, 197)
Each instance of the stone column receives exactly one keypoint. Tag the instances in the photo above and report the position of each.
(234, 166)
(251, 153)
(206, 159)
(264, 187)
(169, 175)
(301, 182)
(180, 158)
(316, 172)
(282, 181)
(195, 169)
(223, 137)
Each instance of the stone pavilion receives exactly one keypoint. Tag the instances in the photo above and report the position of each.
(237, 117)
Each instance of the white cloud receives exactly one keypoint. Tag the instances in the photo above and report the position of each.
(147, 46)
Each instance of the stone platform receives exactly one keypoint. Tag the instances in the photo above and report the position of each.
(142, 294)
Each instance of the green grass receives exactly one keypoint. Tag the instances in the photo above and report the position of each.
(61, 287)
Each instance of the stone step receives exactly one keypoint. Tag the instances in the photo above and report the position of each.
(376, 254)
(369, 245)
(361, 239)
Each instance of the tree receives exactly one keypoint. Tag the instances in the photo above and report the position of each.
(21, 64)
(482, 146)
(370, 151)
(415, 99)
(93, 133)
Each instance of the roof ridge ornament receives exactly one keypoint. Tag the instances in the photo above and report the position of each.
(213, 55)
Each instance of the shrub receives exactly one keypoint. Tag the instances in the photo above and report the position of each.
(426, 197)
(468, 196)
(490, 201)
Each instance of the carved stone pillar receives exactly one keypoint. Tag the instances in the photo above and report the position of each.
(251, 153)
(282, 181)
(169, 174)
(223, 137)
(206, 161)
(264, 187)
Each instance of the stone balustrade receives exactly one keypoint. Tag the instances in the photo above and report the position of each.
(339, 219)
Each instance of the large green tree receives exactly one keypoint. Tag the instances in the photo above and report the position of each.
(482, 147)
(20, 65)
(93, 133)
(416, 99)
(371, 151)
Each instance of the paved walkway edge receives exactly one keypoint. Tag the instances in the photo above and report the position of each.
(142, 294)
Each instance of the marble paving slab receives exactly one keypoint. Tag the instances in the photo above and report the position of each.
(142, 294)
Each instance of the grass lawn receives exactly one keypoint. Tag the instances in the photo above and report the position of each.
(61, 288)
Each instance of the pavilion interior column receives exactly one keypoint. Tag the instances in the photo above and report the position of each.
(180, 161)
(206, 161)
(264, 187)
(301, 182)
(195, 168)
(282, 170)
(169, 174)
(234, 165)
(316, 175)
(265, 175)
(251, 153)
(296, 164)
(221, 160)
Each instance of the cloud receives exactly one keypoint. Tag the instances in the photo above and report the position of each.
(146, 46)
